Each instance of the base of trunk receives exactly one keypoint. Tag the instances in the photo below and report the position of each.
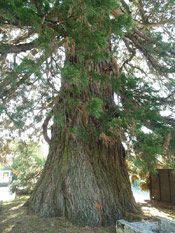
(87, 185)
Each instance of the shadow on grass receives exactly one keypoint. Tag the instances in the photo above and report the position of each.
(160, 209)
(14, 219)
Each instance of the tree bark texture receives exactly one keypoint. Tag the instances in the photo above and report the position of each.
(84, 180)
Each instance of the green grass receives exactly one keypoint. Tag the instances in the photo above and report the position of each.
(14, 219)
(18, 200)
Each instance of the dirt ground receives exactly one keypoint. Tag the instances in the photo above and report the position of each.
(14, 219)
(152, 209)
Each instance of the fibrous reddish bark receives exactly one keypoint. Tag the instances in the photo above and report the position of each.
(87, 183)
(85, 180)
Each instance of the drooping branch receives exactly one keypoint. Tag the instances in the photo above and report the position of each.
(7, 94)
(137, 68)
(161, 68)
(45, 124)
(24, 36)
(142, 12)
(157, 24)
(170, 121)
(7, 48)
(168, 100)
(133, 53)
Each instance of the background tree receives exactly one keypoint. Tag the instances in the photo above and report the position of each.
(68, 61)
(26, 166)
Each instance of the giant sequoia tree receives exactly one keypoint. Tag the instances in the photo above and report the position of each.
(100, 71)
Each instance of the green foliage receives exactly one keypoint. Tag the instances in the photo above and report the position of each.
(76, 75)
(147, 147)
(94, 49)
(80, 133)
(95, 107)
(26, 167)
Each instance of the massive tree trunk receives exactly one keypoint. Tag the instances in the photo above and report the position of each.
(85, 177)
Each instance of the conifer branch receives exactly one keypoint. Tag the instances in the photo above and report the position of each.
(157, 24)
(8, 94)
(170, 121)
(142, 12)
(169, 96)
(160, 68)
(45, 124)
(8, 48)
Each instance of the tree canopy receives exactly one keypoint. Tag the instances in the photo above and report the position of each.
(36, 35)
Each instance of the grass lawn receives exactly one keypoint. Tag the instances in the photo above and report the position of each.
(14, 219)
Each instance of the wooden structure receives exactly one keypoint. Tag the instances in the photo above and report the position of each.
(162, 185)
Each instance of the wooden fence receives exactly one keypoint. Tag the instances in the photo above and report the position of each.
(162, 185)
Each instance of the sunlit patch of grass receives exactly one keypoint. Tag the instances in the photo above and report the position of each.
(16, 207)
(9, 228)
(155, 209)
(18, 200)
(9, 218)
